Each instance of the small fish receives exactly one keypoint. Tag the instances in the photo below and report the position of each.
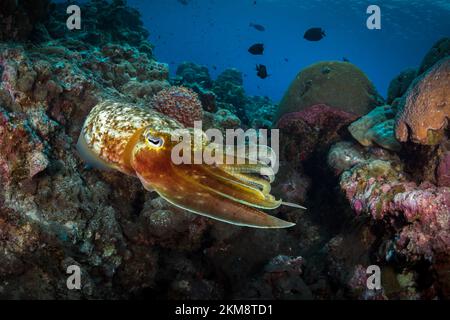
(183, 2)
(314, 34)
(138, 142)
(256, 49)
(286, 59)
(345, 59)
(258, 27)
(261, 71)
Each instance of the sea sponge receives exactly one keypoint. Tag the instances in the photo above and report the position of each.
(337, 84)
(179, 103)
(425, 108)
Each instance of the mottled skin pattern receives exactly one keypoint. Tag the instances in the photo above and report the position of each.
(110, 125)
(138, 142)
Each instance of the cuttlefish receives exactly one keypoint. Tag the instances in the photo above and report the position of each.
(138, 142)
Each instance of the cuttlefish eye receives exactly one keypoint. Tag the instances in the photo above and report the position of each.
(155, 142)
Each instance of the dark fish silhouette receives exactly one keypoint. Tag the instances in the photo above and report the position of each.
(258, 27)
(314, 34)
(345, 59)
(256, 49)
(261, 71)
(183, 2)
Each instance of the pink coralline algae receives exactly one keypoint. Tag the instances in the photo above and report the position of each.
(179, 103)
(22, 153)
(310, 129)
(443, 170)
(381, 189)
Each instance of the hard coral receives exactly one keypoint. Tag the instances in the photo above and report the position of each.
(425, 110)
(179, 103)
(337, 84)
(399, 85)
(377, 127)
(440, 50)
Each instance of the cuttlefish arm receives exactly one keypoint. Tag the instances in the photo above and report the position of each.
(209, 191)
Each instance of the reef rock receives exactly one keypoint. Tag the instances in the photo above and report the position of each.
(440, 50)
(228, 88)
(312, 129)
(381, 189)
(190, 73)
(377, 127)
(104, 22)
(20, 19)
(425, 110)
(443, 170)
(400, 84)
(339, 85)
(260, 112)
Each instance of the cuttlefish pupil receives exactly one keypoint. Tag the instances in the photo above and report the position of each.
(155, 142)
(137, 142)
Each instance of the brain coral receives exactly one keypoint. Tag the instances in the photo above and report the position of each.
(179, 103)
(425, 108)
(337, 84)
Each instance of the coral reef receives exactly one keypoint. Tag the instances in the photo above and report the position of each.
(179, 103)
(425, 110)
(189, 73)
(337, 84)
(226, 93)
(440, 50)
(316, 127)
(103, 22)
(376, 128)
(20, 20)
(415, 216)
(443, 170)
(260, 112)
(228, 89)
(400, 84)
(366, 205)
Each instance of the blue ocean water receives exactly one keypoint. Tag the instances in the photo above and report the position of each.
(216, 33)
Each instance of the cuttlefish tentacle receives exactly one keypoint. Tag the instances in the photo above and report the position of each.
(137, 142)
(179, 186)
(219, 181)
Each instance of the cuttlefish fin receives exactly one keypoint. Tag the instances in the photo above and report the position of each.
(195, 190)
(190, 195)
(91, 159)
